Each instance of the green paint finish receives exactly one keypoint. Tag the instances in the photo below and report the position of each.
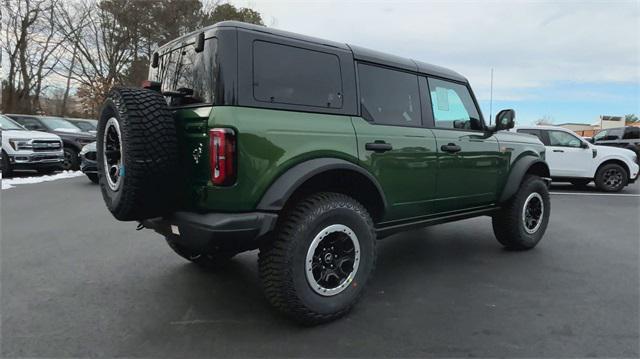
(407, 173)
(417, 177)
(468, 178)
(269, 142)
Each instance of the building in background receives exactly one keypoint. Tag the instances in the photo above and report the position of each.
(581, 129)
(605, 121)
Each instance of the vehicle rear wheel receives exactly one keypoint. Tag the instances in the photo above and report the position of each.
(7, 171)
(611, 177)
(522, 221)
(137, 154)
(321, 258)
(581, 183)
(93, 177)
(71, 161)
(206, 260)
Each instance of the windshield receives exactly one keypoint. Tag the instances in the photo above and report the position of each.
(182, 70)
(85, 125)
(8, 124)
(59, 124)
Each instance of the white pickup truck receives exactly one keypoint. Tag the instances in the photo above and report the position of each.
(573, 159)
(29, 150)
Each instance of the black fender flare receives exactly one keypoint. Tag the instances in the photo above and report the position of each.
(518, 170)
(71, 144)
(281, 189)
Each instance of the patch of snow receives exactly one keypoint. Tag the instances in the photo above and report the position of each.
(12, 182)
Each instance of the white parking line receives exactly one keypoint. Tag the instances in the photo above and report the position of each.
(597, 194)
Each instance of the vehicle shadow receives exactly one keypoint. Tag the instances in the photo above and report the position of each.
(195, 305)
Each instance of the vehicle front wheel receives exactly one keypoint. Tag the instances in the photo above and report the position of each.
(71, 161)
(611, 177)
(205, 260)
(6, 166)
(522, 221)
(322, 255)
(93, 177)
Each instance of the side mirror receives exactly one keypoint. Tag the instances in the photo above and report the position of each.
(584, 145)
(505, 119)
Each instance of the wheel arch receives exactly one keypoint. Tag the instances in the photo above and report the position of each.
(525, 165)
(325, 174)
(617, 161)
(71, 144)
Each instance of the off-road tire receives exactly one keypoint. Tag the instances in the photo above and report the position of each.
(282, 262)
(603, 172)
(581, 183)
(205, 260)
(509, 223)
(93, 177)
(71, 159)
(149, 157)
(7, 171)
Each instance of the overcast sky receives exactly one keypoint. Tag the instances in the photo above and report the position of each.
(569, 60)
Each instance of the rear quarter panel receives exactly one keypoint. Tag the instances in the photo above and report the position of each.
(268, 143)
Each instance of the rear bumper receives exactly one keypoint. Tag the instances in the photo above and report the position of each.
(229, 232)
(88, 166)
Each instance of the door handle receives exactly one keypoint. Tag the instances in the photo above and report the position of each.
(558, 150)
(378, 146)
(451, 148)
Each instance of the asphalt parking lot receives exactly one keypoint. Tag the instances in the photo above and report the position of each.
(77, 283)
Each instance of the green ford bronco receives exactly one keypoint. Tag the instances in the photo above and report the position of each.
(246, 137)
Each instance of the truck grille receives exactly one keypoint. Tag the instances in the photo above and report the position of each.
(46, 145)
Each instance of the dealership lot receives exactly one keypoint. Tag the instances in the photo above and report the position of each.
(76, 282)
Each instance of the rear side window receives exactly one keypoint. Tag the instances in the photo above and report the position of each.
(389, 97)
(453, 106)
(613, 134)
(536, 133)
(631, 133)
(295, 76)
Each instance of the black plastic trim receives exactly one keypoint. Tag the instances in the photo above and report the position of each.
(279, 192)
(516, 175)
(385, 231)
(234, 232)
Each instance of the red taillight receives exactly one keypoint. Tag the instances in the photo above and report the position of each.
(151, 85)
(222, 153)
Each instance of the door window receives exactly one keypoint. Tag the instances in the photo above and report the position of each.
(563, 139)
(453, 106)
(389, 97)
(632, 133)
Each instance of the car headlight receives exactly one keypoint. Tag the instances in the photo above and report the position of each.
(21, 144)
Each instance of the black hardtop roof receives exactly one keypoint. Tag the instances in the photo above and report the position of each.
(359, 53)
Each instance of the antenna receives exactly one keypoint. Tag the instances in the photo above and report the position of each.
(491, 99)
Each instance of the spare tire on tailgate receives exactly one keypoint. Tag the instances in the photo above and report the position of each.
(137, 153)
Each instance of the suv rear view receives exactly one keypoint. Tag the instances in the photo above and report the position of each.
(309, 150)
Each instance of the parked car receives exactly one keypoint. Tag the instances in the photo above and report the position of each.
(72, 137)
(625, 137)
(286, 156)
(575, 160)
(86, 125)
(88, 164)
(28, 150)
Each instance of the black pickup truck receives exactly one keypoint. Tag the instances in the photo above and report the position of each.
(625, 137)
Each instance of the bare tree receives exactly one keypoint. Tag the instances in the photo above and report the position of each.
(544, 120)
(33, 44)
(103, 50)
